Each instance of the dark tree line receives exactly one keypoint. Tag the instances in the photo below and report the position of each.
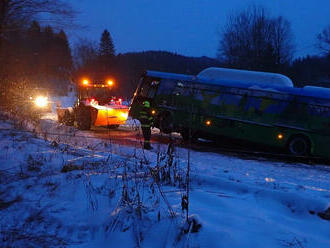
(36, 55)
(32, 55)
(130, 66)
(311, 70)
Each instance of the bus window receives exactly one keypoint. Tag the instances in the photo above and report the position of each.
(149, 88)
(166, 87)
(182, 89)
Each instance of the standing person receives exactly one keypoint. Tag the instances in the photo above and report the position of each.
(146, 122)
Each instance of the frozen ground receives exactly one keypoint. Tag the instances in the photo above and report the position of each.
(60, 189)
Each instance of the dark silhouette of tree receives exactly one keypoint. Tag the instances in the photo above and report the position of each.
(15, 14)
(252, 40)
(324, 41)
(85, 58)
(107, 48)
(64, 50)
(282, 41)
(106, 54)
(85, 53)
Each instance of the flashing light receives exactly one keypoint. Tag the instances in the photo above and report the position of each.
(124, 115)
(119, 99)
(208, 123)
(85, 82)
(280, 136)
(153, 112)
(110, 82)
(41, 101)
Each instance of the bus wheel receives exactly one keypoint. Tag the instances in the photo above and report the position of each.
(83, 118)
(299, 146)
(166, 123)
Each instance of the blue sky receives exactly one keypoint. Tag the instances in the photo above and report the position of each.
(189, 27)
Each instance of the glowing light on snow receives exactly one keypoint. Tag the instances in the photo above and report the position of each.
(41, 101)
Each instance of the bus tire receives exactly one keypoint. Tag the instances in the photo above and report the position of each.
(299, 145)
(83, 117)
(166, 122)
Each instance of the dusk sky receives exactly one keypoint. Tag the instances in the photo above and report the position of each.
(189, 27)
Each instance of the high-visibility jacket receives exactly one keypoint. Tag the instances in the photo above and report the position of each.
(145, 118)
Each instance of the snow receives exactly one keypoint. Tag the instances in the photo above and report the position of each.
(317, 91)
(239, 202)
(252, 78)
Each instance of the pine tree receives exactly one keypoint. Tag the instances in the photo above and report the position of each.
(106, 55)
(107, 48)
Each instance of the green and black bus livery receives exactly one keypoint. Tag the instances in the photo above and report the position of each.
(259, 107)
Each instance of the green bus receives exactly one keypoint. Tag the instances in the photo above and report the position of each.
(263, 108)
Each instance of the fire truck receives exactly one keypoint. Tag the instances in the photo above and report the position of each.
(95, 106)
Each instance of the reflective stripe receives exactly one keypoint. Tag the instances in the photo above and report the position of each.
(145, 118)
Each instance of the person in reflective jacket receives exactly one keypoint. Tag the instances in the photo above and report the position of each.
(146, 122)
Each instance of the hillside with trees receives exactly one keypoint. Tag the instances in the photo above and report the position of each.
(130, 66)
(100, 62)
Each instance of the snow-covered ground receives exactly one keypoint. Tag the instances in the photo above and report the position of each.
(60, 189)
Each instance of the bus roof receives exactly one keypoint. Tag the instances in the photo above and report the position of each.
(238, 81)
(236, 78)
(248, 77)
(159, 74)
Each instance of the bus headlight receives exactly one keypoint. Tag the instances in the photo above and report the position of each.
(41, 101)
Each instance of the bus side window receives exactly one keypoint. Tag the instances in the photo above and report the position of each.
(181, 89)
(166, 87)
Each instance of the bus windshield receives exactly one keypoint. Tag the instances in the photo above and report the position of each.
(149, 87)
